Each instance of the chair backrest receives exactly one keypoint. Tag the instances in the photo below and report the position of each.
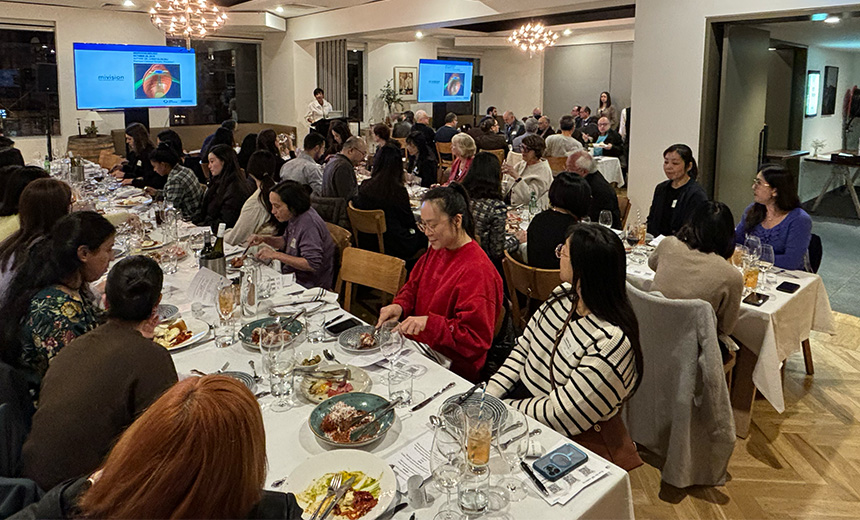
(367, 221)
(682, 397)
(108, 159)
(375, 270)
(624, 209)
(342, 239)
(536, 284)
(816, 252)
(444, 148)
(557, 164)
(331, 209)
(498, 153)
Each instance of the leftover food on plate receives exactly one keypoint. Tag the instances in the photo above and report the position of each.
(270, 336)
(311, 361)
(237, 262)
(357, 502)
(366, 340)
(334, 424)
(329, 388)
(172, 334)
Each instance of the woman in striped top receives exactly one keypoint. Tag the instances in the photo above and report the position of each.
(579, 358)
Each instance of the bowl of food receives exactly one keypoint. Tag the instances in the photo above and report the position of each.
(362, 339)
(330, 419)
(328, 381)
(308, 358)
(249, 334)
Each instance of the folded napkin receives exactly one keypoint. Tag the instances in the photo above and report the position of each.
(304, 296)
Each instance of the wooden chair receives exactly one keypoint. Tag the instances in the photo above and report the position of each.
(367, 221)
(557, 164)
(444, 148)
(624, 208)
(342, 239)
(382, 272)
(108, 159)
(498, 153)
(536, 284)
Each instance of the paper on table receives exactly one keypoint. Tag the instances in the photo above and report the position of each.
(413, 459)
(567, 487)
(657, 240)
(204, 287)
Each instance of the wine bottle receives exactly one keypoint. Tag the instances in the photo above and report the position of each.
(218, 250)
(207, 246)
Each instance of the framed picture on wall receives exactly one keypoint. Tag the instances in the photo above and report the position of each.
(406, 82)
(828, 95)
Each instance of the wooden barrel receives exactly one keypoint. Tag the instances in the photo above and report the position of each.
(90, 147)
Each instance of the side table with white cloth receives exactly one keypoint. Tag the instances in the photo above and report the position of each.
(610, 168)
(767, 335)
(289, 440)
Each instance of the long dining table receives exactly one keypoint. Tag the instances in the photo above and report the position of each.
(290, 442)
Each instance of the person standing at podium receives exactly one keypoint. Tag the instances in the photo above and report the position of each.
(319, 108)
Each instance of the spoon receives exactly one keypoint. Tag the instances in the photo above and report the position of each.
(227, 364)
(254, 369)
(435, 421)
(330, 355)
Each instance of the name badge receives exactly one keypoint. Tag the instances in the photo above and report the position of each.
(139, 164)
(674, 203)
(293, 243)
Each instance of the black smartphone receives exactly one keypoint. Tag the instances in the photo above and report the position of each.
(560, 461)
(341, 326)
(756, 299)
(787, 287)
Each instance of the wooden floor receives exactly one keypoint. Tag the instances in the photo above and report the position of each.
(804, 463)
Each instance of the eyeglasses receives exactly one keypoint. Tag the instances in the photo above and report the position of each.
(426, 226)
(559, 251)
(759, 182)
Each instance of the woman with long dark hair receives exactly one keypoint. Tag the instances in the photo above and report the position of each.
(385, 190)
(579, 358)
(256, 216)
(306, 247)
(421, 162)
(676, 198)
(483, 182)
(137, 169)
(692, 265)
(569, 199)
(338, 133)
(43, 202)
(453, 295)
(249, 146)
(228, 189)
(605, 109)
(776, 218)
(17, 181)
(49, 302)
(268, 140)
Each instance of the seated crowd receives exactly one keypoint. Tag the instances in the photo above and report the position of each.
(573, 367)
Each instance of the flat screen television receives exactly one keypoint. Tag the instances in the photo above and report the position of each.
(444, 81)
(113, 77)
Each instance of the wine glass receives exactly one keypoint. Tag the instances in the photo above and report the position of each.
(753, 248)
(605, 218)
(765, 264)
(447, 464)
(631, 236)
(392, 343)
(513, 445)
(277, 364)
(226, 303)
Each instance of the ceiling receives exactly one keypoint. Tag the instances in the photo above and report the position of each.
(289, 8)
(844, 35)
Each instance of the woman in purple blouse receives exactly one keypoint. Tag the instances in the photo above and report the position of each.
(777, 218)
(306, 247)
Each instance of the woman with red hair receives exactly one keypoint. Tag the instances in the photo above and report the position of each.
(198, 452)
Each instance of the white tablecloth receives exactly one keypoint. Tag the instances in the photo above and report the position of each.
(610, 167)
(775, 330)
(289, 440)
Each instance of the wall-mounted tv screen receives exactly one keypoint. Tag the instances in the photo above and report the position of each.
(444, 81)
(112, 77)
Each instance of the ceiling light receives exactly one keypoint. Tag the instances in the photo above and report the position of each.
(832, 19)
(279, 9)
(128, 3)
(567, 32)
(419, 35)
(819, 17)
(533, 38)
(197, 18)
(771, 48)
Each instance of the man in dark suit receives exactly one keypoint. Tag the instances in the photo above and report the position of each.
(603, 196)
(613, 144)
(513, 127)
(544, 127)
(589, 123)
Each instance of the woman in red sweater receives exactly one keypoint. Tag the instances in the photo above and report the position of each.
(454, 293)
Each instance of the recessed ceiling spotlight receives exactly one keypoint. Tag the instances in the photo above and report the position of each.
(419, 35)
(128, 3)
(567, 32)
(279, 9)
(771, 48)
(832, 19)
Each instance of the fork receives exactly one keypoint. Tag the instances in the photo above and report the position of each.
(332, 488)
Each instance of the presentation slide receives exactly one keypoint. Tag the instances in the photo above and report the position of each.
(444, 81)
(134, 76)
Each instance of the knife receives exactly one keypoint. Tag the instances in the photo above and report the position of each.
(462, 399)
(361, 430)
(341, 491)
(329, 322)
(425, 402)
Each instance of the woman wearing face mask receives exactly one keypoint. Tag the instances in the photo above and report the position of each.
(675, 199)
(579, 358)
(49, 302)
(454, 294)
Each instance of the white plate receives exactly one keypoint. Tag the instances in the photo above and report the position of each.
(199, 329)
(358, 378)
(345, 460)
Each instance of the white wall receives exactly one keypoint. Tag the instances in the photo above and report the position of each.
(381, 60)
(90, 26)
(512, 81)
(668, 59)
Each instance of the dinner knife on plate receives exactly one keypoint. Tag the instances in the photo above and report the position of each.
(356, 434)
(425, 402)
(462, 399)
(341, 491)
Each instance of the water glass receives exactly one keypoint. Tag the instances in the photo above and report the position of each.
(400, 386)
(473, 491)
(281, 382)
(479, 435)
(314, 325)
(513, 445)
(605, 218)
(447, 466)
(765, 264)
(226, 305)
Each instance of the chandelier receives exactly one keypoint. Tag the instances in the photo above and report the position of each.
(187, 18)
(533, 38)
